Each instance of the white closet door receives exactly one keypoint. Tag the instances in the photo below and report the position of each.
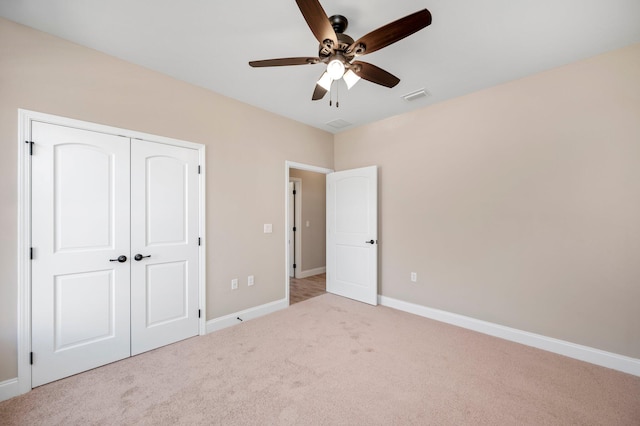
(80, 222)
(164, 236)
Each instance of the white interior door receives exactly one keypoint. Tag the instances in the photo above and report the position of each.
(80, 224)
(352, 234)
(164, 241)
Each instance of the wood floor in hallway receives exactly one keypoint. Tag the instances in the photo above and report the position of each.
(305, 288)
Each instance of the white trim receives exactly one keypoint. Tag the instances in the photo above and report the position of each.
(9, 389)
(247, 314)
(25, 118)
(202, 302)
(583, 353)
(293, 165)
(307, 167)
(312, 272)
(24, 243)
(102, 128)
(297, 213)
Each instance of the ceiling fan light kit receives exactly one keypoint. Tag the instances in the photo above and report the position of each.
(335, 67)
(339, 51)
(350, 78)
(325, 81)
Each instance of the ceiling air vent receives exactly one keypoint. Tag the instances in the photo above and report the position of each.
(339, 124)
(418, 94)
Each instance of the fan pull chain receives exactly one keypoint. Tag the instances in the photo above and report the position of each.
(337, 94)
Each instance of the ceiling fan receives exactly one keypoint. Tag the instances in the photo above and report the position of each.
(339, 51)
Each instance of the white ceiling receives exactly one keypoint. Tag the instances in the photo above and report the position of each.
(469, 46)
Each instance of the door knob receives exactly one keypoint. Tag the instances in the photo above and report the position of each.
(139, 257)
(370, 242)
(120, 259)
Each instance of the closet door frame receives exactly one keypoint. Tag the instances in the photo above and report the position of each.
(25, 145)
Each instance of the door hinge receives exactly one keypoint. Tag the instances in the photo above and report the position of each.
(31, 358)
(294, 266)
(294, 229)
(199, 312)
(199, 241)
(199, 170)
(31, 253)
(294, 192)
(30, 147)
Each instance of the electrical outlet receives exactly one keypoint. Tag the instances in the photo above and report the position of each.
(414, 277)
(250, 280)
(234, 284)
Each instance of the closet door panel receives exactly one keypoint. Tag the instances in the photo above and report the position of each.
(80, 223)
(164, 239)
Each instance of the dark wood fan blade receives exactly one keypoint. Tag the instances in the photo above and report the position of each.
(318, 93)
(390, 33)
(318, 22)
(284, 61)
(375, 74)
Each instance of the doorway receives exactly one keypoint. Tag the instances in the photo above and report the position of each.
(306, 246)
(351, 261)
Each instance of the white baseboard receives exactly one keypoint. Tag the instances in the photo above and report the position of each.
(583, 353)
(9, 389)
(248, 314)
(311, 272)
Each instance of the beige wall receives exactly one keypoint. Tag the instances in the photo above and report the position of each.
(246, 153)
(519, 204)
(314, 211)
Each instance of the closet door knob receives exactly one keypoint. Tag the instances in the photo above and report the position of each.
(370, 242)
(139, 257)
(120, 259)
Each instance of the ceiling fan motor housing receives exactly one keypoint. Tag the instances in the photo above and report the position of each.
(344, 41)
(339, 23)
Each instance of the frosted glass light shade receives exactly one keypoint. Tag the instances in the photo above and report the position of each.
(335, 69)
(325, 81)
(350, 78)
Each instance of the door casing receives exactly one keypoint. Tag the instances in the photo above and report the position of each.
(25, 118)
(297, 236)
(287, 166)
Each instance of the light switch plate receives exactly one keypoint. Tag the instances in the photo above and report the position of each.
(268, 228)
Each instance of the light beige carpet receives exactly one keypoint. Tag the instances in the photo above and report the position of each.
(333, 361)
